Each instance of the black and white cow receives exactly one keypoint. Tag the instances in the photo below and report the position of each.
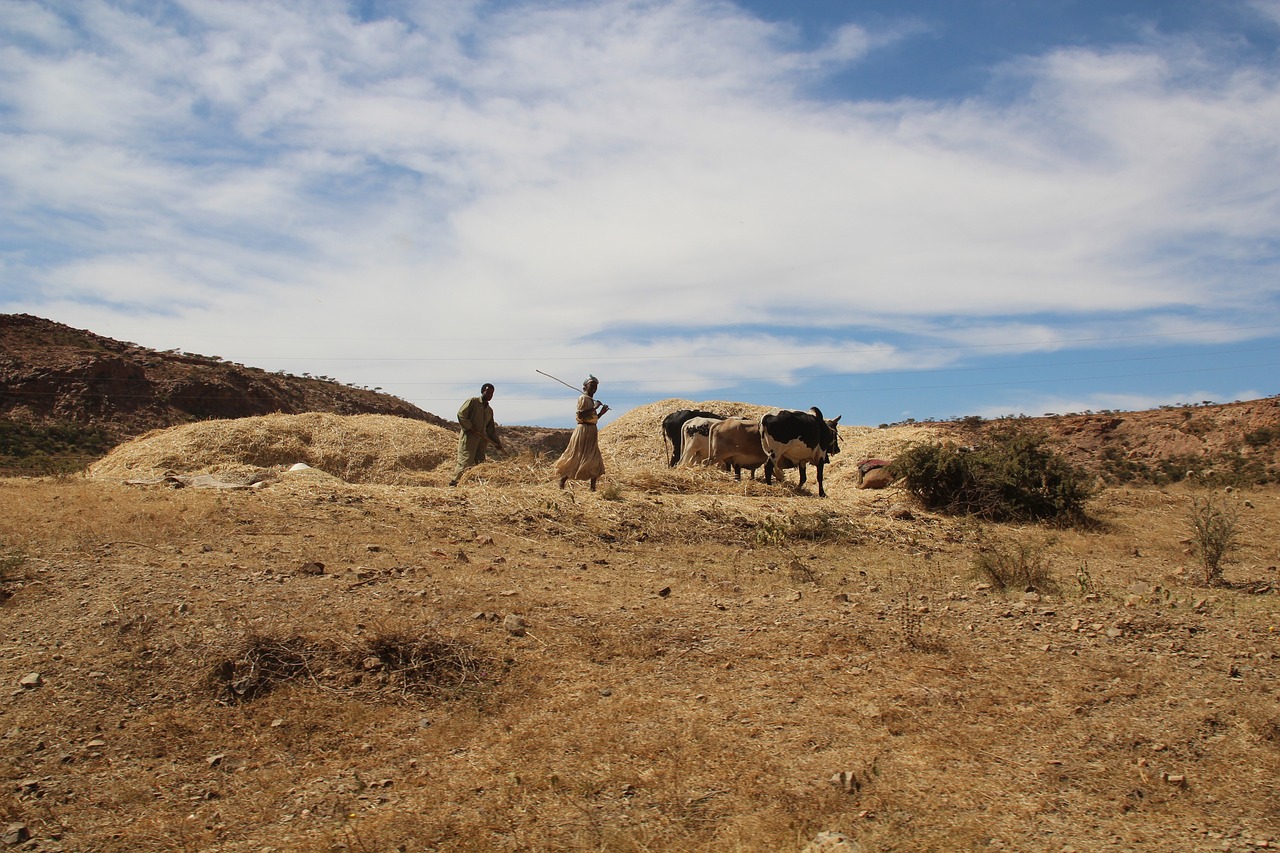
(799, 438)
(696, 434)
(672, 434)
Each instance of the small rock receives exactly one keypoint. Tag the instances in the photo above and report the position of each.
(215, 760)
(373, 549)
(1114, 632)
(515, 625)
(832, 842)
(664, 592)
(31, 681)
(314, 567)
(902, 512)
(847, 781)
(16, 833)
(371, 663)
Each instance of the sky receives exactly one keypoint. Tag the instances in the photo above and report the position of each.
(888, 209)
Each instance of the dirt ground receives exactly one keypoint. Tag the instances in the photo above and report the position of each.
(677, 661)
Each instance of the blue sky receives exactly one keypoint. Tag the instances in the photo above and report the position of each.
(890, 210)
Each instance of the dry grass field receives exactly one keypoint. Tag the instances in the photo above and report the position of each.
(357, 657)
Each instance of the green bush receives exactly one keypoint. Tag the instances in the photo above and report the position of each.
(1012, 476)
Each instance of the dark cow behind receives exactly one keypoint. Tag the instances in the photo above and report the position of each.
(799, 438)
(672, 434)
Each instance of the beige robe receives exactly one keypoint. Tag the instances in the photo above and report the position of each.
(581, 460)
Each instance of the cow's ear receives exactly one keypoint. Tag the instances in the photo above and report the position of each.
(836, 419)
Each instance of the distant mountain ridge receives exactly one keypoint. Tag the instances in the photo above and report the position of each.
(52, 375)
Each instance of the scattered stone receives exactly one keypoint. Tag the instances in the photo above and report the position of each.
(515, 625)
(1178, 780)
(1114, 632)
(371, 664)
(16, 833)
(664, 592)
(31, 681)
(832, 842)
(902, 512)
(1031, 597)
(215, 760)
(314, 567)
(846, 781)
(373, 549)
(795, 596)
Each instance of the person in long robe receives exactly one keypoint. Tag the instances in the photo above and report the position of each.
(478, 431)
(581, 460)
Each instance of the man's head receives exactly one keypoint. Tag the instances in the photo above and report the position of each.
(590, 384)
(486, 391)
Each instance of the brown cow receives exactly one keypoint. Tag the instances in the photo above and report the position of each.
(736, 442)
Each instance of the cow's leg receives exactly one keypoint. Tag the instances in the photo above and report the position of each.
(821, 492)
(737, 471)
(768, 471)
(802, 466)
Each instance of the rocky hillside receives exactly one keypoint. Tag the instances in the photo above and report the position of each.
(69, 395)
(1226, 443)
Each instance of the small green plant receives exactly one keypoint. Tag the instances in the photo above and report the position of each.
(1084, 580)
(1214, 531)
(774, 530)
(1018, 564)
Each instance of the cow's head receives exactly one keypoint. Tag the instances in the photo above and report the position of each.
(833, 436)
(830, 438)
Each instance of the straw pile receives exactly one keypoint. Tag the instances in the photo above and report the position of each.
(393, 451)
(357, 448)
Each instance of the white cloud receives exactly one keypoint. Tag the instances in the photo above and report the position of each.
(533, 181)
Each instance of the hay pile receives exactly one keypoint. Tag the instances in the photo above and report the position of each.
(357, 448)
(393, 451)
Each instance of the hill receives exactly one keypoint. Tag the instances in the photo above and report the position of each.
(68, 395)
(356, 657)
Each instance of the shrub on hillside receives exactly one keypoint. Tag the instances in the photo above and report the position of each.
(1012, 476)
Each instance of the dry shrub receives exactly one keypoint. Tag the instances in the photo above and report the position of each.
(401, 659)
(1016, 563)
(1214, 529)
(356, 448)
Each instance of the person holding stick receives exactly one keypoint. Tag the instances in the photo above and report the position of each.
(581, 460)
(477, 430)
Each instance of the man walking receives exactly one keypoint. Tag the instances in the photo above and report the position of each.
(478, 430)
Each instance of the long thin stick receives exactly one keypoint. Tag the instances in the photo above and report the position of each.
(561, 381)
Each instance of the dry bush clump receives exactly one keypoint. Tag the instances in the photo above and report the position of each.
(392, 659)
